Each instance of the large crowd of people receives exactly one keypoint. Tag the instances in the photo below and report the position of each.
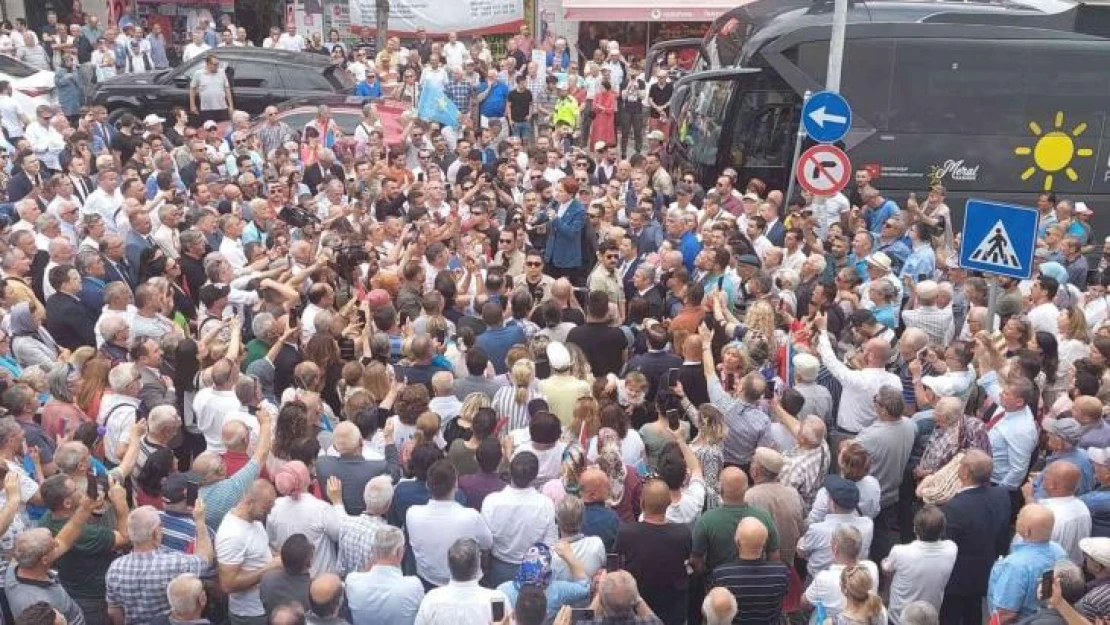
(519, 371)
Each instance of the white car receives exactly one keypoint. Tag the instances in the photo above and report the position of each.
(31, 87)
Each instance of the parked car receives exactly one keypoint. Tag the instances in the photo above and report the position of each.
(259, 77)
(345, 110)
(31, 87)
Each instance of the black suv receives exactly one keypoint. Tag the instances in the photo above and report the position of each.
(259, 77)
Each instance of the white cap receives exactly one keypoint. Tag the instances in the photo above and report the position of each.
(558, 356)
(152, 119)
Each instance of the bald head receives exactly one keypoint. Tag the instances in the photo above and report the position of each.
(1034, 523)
(235, 435)
(734, 485)
(656, 497)
(878, 352)
(812, 432)
(751, 537)
(595, 485)
(326, 594)
(948, 410)
(1061, 478)
(719, 606)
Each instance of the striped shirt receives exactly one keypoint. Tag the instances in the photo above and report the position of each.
(179, 531)
(516, 415)
(759, 587)
(224, 495)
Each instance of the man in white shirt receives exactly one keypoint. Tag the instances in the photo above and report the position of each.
(444, 403)
(105, 200)
(518, 517)
(383, 594)
(455, 53)
(1044, 316)
(212, 404)
(1072, 518)
(290, 40)
(118, 410)
(920, 569)
(231, 247)
(829, 210)
(847, 543)
(320, 298)
(816, 543)
(45, 141)
(793, 257)
(857, 401)
(462, 601)
(12, 118)
(196, 47)
(243, 551)
(434, 527)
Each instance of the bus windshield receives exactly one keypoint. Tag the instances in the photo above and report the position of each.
(724, 43)
(702, 118)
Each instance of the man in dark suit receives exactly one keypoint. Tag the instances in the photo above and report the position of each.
(692, 372)
(156, 389)
(29, 176)
(978, 519)
(324, 168)
(656, 362)
(66, 319)
(630, 262)
(643, 285)
(116, 267)
(644, 230)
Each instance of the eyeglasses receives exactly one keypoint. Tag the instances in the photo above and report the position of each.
(506, 241)
(533, 263)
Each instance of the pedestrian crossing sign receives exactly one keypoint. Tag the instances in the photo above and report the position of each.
(999, 238)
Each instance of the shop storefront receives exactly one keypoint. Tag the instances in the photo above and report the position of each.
(637, 26)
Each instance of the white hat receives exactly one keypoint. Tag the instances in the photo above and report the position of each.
(1097, 549)
(210, 124)
(152, 119)
(1081, 208)
(558, 356)
(1099, 455)
(656, 135)
(880, 260)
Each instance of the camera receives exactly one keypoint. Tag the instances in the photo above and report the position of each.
(297, 217)
(350, 256)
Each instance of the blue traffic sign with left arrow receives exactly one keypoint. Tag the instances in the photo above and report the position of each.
(827, 117)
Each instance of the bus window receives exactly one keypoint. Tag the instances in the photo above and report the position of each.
(723, 46)
(946, 86)
(764, 130)
(701, 119)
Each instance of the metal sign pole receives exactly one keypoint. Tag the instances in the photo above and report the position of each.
(836, 45)
(797, 150)
(992, 303)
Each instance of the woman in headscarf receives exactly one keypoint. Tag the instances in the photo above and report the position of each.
(625, 482)
(535, 571)
(296, 511)
(573, 464)
(32, 344)
(7, 359)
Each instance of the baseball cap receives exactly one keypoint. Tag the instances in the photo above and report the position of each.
(750, 197)
(1081, 208)
(769, 459)
(175, 486)
(152, 119)
(1066, 428)
(750, 260)
(208, 125)
(656, 135)
(844, 493)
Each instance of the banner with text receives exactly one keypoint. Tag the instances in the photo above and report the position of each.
(438, 17)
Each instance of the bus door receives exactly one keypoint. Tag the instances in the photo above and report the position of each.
(763, 130)
(702, 112)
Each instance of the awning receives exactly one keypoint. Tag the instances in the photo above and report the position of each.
(629, 11)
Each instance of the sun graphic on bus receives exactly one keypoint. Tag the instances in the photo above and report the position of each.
(1054, 151)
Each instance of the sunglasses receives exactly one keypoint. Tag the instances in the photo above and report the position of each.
(533, 263)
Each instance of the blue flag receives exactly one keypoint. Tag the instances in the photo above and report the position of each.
(435, 106)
